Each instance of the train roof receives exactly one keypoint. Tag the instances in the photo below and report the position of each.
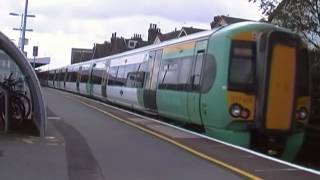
(195, 36)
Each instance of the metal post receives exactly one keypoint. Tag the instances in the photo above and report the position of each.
(34, 62)
(24, 25)
(21, 27)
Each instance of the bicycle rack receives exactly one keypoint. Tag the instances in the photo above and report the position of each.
(6, 108)
(39, 115)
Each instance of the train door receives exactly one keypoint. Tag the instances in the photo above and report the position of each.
(104, 79)
(65, 78)
(84, 78)
(149, 94)
(90, 81)
(174, 81)
(193, 102)
(277, 70)
(54, 78)
(78, 78)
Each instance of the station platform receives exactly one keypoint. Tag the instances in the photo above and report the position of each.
(87, 139)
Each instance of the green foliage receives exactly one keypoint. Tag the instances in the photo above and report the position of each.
(301, 16)
(267, 6)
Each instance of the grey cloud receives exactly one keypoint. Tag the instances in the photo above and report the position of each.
(179, 10)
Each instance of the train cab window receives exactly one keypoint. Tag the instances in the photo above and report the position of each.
(242, 66)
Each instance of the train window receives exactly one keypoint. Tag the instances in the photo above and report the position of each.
(73, 74)
(69, 75)
(196, 75)
(131, 79)
(121, 78)
(131, 68)
(135, 79)
(131, 74)
(209, 70)
(174, 74)
(185, 67)
(143, 67)
(59, 77)
(242, 65)
(97, 73)
(169, 75)
(54, 76)
(112, 75)
(85, 74)
(65, 75)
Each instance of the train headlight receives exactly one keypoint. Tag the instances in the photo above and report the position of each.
(302, 113)
(235, 110)
(245, 113)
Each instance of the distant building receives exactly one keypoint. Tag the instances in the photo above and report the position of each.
(120, 44)
(80, 55)
(155, 36)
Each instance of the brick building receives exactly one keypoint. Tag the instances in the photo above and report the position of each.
(155, 36)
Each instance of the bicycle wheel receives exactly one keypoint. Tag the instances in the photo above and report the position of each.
(17, 112)
(26, 103)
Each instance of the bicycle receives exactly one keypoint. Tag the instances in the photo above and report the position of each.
(19, 103)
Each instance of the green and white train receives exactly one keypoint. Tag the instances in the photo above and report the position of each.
(245, 83)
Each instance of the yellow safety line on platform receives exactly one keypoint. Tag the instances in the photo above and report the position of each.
(191, 150)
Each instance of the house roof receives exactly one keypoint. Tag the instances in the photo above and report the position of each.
(177, 33)
(191, 30)
(168, 36)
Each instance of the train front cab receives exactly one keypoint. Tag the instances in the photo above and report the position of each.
(275, 94)
(282, 94)
(267, 93)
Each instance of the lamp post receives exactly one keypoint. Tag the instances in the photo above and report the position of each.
(23, 25)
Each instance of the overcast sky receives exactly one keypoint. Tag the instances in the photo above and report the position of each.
(62, 24)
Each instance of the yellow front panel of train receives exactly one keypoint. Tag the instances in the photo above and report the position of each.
(281, 88)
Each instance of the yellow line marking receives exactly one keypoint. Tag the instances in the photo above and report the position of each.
(191, 150)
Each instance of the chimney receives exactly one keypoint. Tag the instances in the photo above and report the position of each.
(153, 32)
(115, 43)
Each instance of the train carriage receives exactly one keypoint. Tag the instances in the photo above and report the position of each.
(246, 83)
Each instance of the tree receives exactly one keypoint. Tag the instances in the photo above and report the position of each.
(301, 16)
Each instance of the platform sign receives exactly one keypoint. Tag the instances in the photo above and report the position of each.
(35, 51)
